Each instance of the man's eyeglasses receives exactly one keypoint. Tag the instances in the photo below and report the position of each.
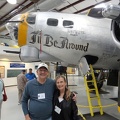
(43, 70)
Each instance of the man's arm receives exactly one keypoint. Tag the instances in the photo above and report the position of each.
(25, 79)
(74, 96)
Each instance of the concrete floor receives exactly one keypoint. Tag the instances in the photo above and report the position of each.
(12, 111)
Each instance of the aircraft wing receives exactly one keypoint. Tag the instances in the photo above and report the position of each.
(6, 56)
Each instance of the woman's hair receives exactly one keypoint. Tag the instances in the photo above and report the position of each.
(67, 94)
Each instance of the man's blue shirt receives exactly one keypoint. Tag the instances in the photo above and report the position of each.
(38, 109)
(30, 76)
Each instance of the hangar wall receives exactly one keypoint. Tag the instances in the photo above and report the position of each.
(12, 80)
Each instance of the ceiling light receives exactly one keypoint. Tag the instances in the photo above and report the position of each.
(12, 1)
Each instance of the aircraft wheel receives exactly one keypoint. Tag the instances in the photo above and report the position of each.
(91, 85)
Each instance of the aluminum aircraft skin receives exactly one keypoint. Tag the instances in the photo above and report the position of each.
(66, 38)
(73, 40)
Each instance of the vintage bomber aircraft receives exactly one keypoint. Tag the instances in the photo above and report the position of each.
(73, 40)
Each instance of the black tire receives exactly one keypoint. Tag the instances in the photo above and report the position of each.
(90, 84)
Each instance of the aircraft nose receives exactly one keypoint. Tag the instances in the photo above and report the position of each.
(12, 27)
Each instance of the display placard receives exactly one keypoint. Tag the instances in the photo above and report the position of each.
(13, 72)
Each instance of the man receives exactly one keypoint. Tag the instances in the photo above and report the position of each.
(30, 75)
(21, 82)
(38, 95)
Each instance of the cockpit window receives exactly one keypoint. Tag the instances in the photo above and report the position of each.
(31, 18)
(52, 22)
(68, 24)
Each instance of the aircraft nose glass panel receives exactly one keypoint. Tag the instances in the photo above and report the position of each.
(12, 27)
(13, 31)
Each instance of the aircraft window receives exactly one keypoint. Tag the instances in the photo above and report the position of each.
(68, 24)
(52, 22)
(31, 19)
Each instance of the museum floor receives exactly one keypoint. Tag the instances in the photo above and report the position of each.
(12, 111)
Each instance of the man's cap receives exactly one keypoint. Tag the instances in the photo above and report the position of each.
(23, 70)
(42, 65)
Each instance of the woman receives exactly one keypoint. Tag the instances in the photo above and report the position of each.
(1, 95)
(64, 106)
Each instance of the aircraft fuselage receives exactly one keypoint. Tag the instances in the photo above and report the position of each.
(69, 37)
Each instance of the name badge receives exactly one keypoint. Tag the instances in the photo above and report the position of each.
(41, 96)
(57, 109)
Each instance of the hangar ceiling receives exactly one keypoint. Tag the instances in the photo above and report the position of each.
(7, 11)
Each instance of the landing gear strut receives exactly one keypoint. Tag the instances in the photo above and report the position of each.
(99, 79)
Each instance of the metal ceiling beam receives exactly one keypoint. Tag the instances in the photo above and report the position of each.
(17, 11)
(13, 9)
(91, 6)
(68, 6)
(3, 5)
(31, 3)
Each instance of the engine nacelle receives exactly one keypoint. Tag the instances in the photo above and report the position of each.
(32, 54)
(29, 54)
(113, 12)
(115, 29)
